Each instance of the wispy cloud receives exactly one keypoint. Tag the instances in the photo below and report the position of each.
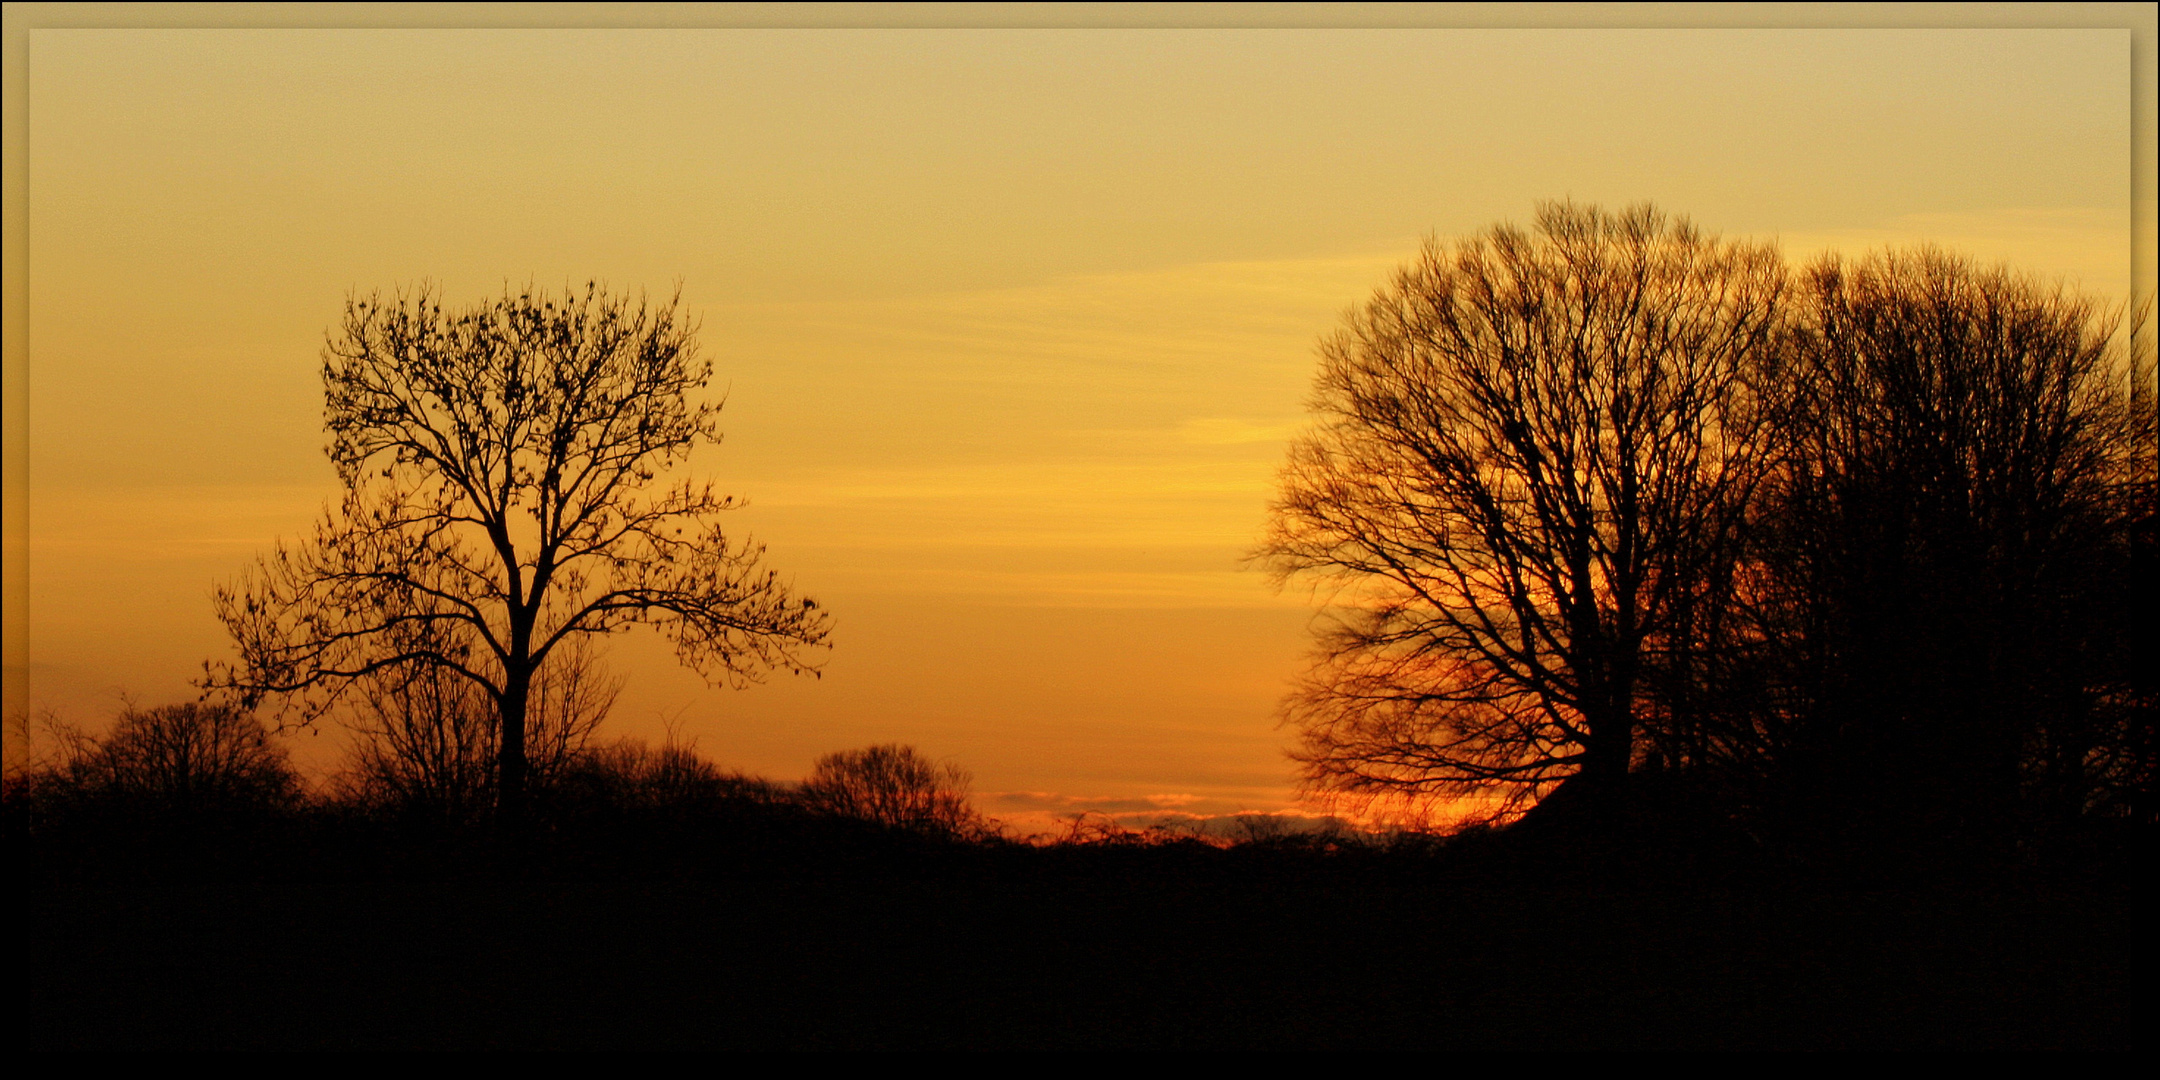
(1052, 801)
(1220, 431)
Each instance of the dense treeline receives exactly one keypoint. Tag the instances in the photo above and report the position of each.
(203, 792)
(1952, 566)
(655, 901)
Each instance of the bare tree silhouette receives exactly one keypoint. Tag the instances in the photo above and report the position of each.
(498, 464)
(1525, 484)
(177, 758)
(894, 785)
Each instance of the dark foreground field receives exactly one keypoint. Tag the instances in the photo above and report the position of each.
(1067, 951)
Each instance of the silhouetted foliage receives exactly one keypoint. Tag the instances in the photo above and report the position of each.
(1865, 562)
(1525, 483)
(497, 464)
(894, 786)
(632, 773)
(181, 760)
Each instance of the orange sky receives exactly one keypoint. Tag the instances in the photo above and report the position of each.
(1013, 324)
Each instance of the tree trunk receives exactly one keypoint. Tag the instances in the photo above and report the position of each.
(1610, 750)
(510, 759)
(1589, 807)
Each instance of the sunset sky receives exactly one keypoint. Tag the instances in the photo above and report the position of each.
(1013, 325)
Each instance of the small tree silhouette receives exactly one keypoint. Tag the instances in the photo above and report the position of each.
(181, 758)
(895, 786)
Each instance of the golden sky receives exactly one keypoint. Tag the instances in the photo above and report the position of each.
(1013, 324)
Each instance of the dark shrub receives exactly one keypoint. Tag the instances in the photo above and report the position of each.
(185, 758)
(897, 787)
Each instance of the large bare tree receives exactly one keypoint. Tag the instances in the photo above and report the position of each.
(1524, 485)
(503, 499)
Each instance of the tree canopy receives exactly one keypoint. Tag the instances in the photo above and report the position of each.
(1531, 455)
(502, 468)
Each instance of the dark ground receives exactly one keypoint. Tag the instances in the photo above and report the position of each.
(1087, 952)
